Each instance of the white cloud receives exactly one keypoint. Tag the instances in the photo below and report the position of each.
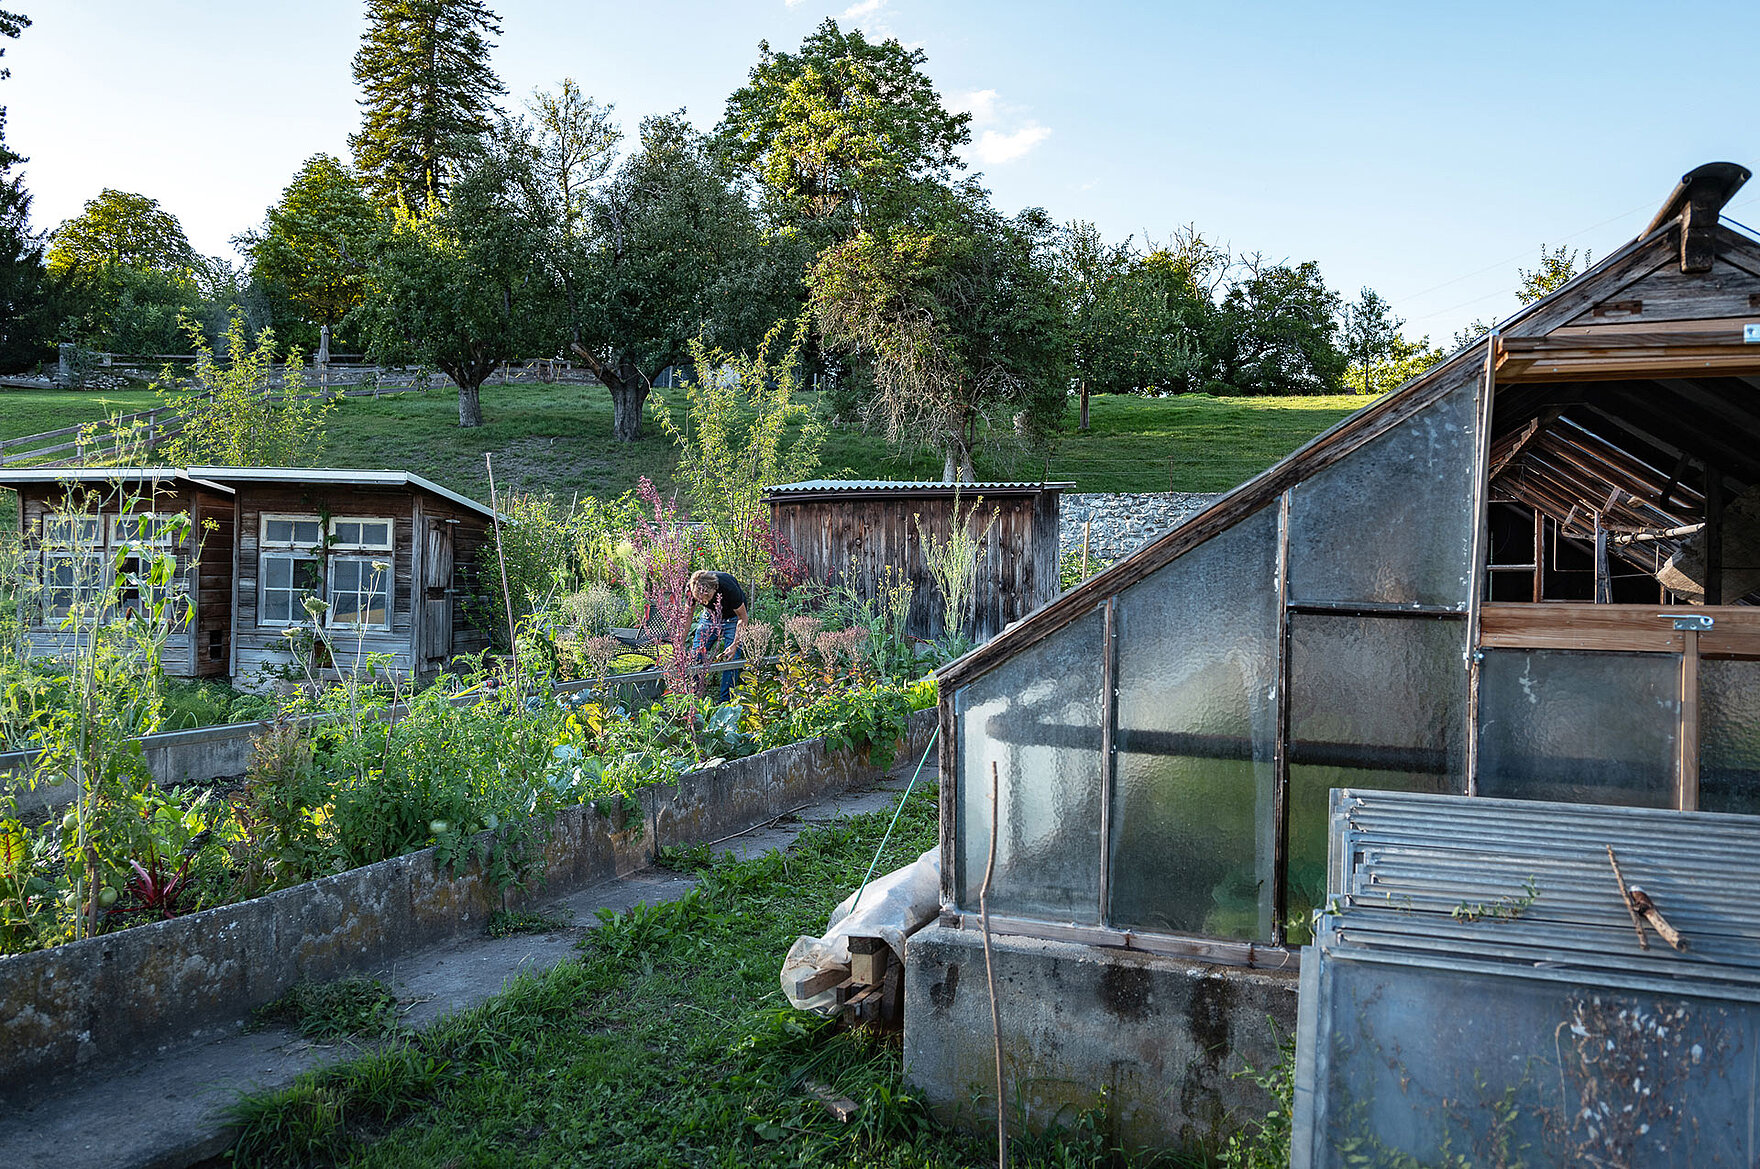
(865, 8)
(993, 147)
(1002, 132)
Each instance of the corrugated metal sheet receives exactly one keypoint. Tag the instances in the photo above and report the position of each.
(1477, 987)
(855, 486)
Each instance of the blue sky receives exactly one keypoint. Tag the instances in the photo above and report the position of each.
(1424, 150)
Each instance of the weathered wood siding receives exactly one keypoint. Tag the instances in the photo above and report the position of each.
(178, 656)
(260, 652)
(215, 523)
(469, 592)
(860, 536)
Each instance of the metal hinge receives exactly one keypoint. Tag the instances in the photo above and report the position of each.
(1697, 623)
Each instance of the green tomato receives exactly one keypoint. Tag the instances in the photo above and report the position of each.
(106, 897)
(437, 827)
(70, 823)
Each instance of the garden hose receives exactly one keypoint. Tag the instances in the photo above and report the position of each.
(907, 795)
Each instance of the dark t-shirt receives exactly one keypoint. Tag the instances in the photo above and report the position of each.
(728, 598)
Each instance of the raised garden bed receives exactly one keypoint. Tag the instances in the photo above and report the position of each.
(122, 994)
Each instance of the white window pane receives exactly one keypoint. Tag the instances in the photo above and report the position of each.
(376, 535)
(275, 605)
(279, 531)
(306, 532)
(277, 572)
(346, 574)
(348, 532)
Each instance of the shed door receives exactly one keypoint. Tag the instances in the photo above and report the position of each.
(437, 596)
(1644, 705)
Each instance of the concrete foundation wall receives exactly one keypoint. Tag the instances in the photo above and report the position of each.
(1162, 1037)
(120, 995)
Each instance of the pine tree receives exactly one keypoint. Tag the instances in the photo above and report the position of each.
(428, 93)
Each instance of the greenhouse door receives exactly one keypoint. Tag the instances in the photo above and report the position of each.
(1645, 705)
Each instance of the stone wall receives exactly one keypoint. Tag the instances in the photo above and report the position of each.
(1122, 523)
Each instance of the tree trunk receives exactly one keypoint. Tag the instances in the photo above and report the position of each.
(957, 466)
(1084, 403)
(627, 397)
(470, 406)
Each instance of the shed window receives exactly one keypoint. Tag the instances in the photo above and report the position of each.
(360, 592)
(361, 533)
(290, 568)
(73, 564)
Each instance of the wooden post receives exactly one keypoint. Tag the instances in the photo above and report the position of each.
(1087, 525)
(1603, 572)
(1687, 774)
(1713, 536)
(1539, 556)
(1084, 425)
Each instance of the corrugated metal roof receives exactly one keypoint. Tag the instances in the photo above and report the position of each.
(1446, 878)
(823, 486)
(19, 476)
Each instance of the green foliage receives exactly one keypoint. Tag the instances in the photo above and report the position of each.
(1073, 568)
(230, 415)
(1267, 1146)
(1275, 333)
(743, 431)
(554, 554)
(24, 314)
(658, 261)
(1556, 269)
(461, 287)
(427, 93)
(122, 230)
(957, 316)
(316, 242)
(844, 127)
(507, 923)
(953, 561)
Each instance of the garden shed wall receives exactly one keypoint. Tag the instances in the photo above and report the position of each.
(856, 530)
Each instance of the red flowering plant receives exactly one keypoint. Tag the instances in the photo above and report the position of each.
(663, 550)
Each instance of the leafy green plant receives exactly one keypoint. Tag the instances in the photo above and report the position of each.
(230, 414)
(1267, 1146)
(953, 561)
(362, 1008)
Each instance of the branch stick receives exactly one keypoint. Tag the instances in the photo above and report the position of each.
(990, 977)
(501, 555)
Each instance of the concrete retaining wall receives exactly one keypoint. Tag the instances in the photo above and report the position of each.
(120, 995)
(1162, 1037)
(1122, 523)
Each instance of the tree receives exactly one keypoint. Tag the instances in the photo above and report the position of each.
(315, 244)
(844, 127)
(1274, 333)
(428, 95)
(958, 318)
(659, 263)
(23, 315)
(1557, 268)
(1368, 335)
(574, 142)
(464, 287)
(120, 229)
(1093, 279)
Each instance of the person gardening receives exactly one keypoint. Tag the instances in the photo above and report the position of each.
(724, 605)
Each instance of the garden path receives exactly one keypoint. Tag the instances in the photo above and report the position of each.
(166, 1112)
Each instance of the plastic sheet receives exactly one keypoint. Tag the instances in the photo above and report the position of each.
(892, 908)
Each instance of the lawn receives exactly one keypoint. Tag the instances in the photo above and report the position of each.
(558, 439)
(668, 1044)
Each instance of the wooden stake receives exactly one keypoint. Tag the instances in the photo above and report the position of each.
(1625, 895)
(506, 595)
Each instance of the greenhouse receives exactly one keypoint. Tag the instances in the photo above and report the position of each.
(1528, 573)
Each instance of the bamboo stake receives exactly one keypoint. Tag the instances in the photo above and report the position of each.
(501, 555)
(990, 977)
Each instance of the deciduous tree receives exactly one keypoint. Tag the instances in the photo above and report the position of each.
(1276, 333)
(23, 314)
(316, 243)
(664, 256)
(463, 288)
(427, 95)
(958, 318)
(122, 229)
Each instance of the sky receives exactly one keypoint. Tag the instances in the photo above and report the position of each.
(1424, 150)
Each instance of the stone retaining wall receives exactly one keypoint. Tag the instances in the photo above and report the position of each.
(121, 995)
(1122, 523)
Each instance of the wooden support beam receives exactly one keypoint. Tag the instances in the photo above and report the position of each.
(1713, 536)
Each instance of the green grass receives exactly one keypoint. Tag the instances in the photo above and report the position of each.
(668, 1044)
(558, 439)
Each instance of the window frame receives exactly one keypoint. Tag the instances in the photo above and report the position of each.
(361, 552)
(292, 550)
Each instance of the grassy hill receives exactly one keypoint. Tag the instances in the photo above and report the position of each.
(558, 439)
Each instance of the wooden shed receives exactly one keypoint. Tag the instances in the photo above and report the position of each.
(857, 530)
(393, 556)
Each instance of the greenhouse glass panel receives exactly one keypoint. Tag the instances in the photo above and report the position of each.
(1392, 521)
(1576, 727)
(1377, 703)
(1729, 737)
(1192, 818)
(1037, 717)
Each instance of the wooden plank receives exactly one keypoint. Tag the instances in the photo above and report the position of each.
(1698, 361)
(1735, 631)
(1687, 764)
